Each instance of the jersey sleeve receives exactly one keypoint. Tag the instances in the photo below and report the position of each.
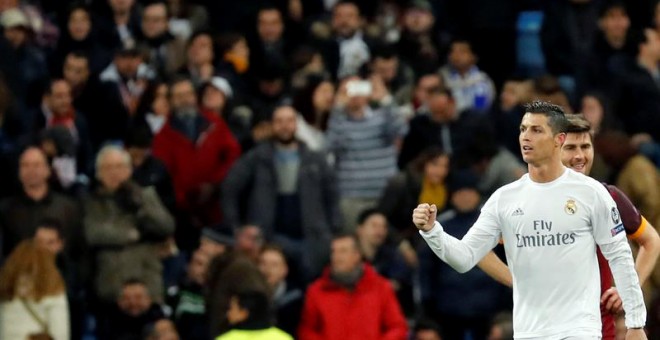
(464, 254)
(630, 216)
(605, 218)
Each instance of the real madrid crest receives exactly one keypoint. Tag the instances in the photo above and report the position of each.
(571, 207)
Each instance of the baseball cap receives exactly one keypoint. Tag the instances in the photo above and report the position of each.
(222, 85)
(14, 17)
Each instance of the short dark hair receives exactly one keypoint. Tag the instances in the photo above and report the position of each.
(133, 281)
(426, 324)
(351, 236)
(257, 304)
(52, 224)
(383, 52)
(635, 39)
(427, 155)
(555, 114)
(612, 5)
(80, 54)
(442, 92)
(347, 2)
(366, 213)
(577, 123)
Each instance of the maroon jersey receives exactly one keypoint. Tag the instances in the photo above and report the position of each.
(634, 224)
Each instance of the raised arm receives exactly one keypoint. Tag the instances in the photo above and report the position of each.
(462, 255)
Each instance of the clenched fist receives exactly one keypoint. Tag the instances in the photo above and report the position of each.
(424, 216)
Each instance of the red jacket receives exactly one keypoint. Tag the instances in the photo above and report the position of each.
(192, 164)
(370, 312)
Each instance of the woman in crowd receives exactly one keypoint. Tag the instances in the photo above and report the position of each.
(32, 296)
(313, 103)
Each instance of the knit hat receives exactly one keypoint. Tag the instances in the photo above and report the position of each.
(463, 179)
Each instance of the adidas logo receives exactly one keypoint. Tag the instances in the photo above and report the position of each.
(518, 212)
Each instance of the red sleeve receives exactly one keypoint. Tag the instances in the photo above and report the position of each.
(632, 219)
(310, 320)
(394, 323)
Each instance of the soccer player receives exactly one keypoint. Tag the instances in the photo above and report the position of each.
(577, 153)
(550, 221)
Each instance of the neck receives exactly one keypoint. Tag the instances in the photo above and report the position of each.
(651, 64)
(121, 18)
(36, 192)
(356, 113)
(368, 250)
(288, 146)
(545, 173)
(615, 41)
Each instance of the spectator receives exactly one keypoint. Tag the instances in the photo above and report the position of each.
(120, 26)
(126, 77)
(147, 170)
(22, 214)
(162, 329)
(502, 328)
(216, 241)
(597, 110)
(122, 223)
(165, 52)
(32, 295)
(31, 62)
(217, 96)
(347, 49)
(200, 55)
(234, 63)
(132, 313)
(463, 303)
(350, 300)
(229, 274)
(568, 32)
(11, 130)
(636, 87)
(295, 202)
(444, 126)
(427, 329)
(549, 88)
(270, 92)
(613, 25)
(249, 317)
(425, 86)
(187, 301)
(80, 36)
(198, 150)
(424, 179)
(386, 255)
(314, 102)
(507, 115)
(396, 76)
(421, 45)
(90, 98)
(186, 18)
(271, 45)
(354, 131)
(634, 174)
(286, 297)
(471, 88)
(249, 241)
(153, 109)
(57, 110)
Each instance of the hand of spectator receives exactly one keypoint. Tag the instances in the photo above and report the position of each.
(424, 216)
(640, 138)
(134, 235)
(409, 254)
(379, 89)
(612, 301)
(130, 196)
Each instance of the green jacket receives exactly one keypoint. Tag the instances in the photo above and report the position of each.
(272, 333)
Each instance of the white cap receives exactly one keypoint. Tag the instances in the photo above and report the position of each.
(14, 17)
(222, 85)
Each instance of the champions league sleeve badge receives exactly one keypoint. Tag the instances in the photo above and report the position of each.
(570, 207)
(617, 222)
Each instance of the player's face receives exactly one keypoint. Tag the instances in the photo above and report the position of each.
(537, 142)
(577, 152)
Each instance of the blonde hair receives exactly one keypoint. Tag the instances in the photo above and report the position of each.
(28, 259)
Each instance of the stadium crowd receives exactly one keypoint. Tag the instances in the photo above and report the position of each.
(194, 169)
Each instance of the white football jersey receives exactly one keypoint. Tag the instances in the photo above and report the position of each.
(550, 231)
